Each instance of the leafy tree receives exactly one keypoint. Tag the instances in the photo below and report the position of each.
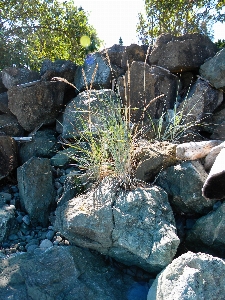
(32, 30)
(220, 44)
(178, 17)
(120, 41)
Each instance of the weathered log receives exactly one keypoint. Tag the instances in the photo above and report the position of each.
(211, 156)
(195, 150)
(214, 186)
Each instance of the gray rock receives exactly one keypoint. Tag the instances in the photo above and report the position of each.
(50, 234)
(59, 68)
(63, 157)
(207, 235)
(12, 237)
(10, 126)
(36, 104)
(43, 144)
(135, 227)
(192, 276)
(26, 220)
(76, 115)
(13, 76)
(68, 273)
(140, 91)
(7, 220)
(132, 53)
(202, 100)
(4, 103)
(5, 197)
(8, 155)
(214, 70)
(72, 187)
(184, 183)
(3, 89)
(183, 53)
(96, 73)
(115, 54)
(45, 244)
(36, 189)
(219, 131)
(31, 248)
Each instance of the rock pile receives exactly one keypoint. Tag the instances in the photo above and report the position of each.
(163, 237)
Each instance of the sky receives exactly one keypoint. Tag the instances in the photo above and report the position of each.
(113, 19)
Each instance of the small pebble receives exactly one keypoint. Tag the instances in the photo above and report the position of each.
(58, 185)
(13, 237)
(26, 220)
(38, 228)
(50, 234)
(46, 244)
(14, 189)
(32, 242)
(21, 248)
(60, 191)
(19, 219)
(31, 248)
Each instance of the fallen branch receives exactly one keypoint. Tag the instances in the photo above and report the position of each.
(195, 150)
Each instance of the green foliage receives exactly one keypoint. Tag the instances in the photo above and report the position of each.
(220, 44)
(172, 125)
(32, 30)
(178, 17)
(106, 149)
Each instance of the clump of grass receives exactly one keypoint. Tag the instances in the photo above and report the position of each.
(106, 148)
(174, 124)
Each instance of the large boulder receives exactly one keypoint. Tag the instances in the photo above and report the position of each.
(218, 123)
(207, 235)
(132, 53)
(136, 227)
(36, 189)
(68, 273)
(59, 68)
(95, 73)
(44, 144)
(184, 183)
(77, 112)
(200, 103)
(10, 126)
(182, 53)
(13, 76)
(114, 54)
(192, 276)
(3, 89)
(7, 219)
(142, 84)
(214, 70)
(37, 103)
(8, 155)
(4, 103)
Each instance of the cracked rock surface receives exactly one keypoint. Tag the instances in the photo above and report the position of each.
(135, 227)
